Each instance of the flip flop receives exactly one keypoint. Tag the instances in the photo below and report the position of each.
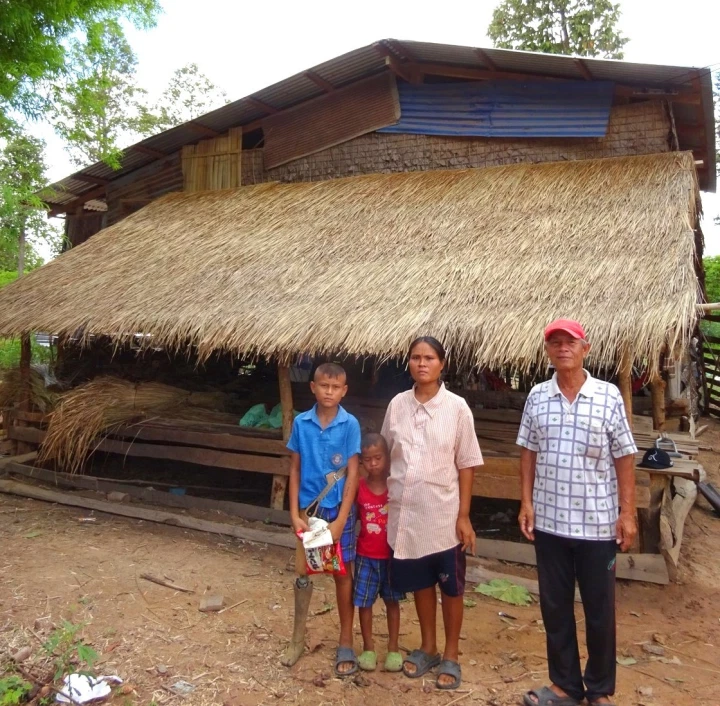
(345, 654)
(393, 662)
(547, 697)
(423, 663)
(367, 661)
(451, 669)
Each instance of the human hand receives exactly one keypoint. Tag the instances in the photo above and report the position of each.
(626, 530)
(299, 525)
(336, 530)
(465, 534)
(526, 520)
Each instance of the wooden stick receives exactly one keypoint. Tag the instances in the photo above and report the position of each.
(167, 584)
(625, 383)
(234, 605)
(279, 486)
(23, 458)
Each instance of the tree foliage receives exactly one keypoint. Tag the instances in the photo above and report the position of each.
(581, 27)
(33, 42)
(97, 103)
(189, 93)
(22, 213)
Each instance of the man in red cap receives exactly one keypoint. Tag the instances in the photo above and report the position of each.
(578, 505)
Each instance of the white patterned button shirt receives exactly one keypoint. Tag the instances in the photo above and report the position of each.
(575, 492)
(429, 443)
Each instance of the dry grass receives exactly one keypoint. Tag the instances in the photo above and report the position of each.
(41, 398)
(482, 259)
(92, 410)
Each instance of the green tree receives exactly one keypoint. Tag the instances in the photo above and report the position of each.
(23, 221)
(189, 93)
(33, 43)
(581, 27)
(98, 103)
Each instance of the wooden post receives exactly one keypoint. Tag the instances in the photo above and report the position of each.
(625, 383)
(25, 393)
(279, 486)
(657, 394)
(659, 483)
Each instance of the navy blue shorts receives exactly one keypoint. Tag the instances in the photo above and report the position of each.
(372, 578)
(445, 569)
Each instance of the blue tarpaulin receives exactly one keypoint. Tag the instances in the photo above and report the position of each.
(505, 109)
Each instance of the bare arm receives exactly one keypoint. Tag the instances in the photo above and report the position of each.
(627, 522)
(349, 493)
(463, 527)
(526, 518)
(294, 494)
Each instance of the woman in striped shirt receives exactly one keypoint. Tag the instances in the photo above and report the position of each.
(433, 454)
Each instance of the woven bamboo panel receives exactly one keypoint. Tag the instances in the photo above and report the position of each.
(214, 163)
(331, 119)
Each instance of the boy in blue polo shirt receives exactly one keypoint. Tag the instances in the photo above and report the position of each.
(325, 440)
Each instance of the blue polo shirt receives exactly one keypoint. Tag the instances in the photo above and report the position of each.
(323, 451)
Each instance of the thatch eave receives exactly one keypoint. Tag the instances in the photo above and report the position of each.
(480, 258)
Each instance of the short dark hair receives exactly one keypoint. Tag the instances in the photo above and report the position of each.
(332, 370)
(374, 439)
(433, 343)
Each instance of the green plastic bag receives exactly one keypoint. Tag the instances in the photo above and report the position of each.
(504, 590)
(256, 416)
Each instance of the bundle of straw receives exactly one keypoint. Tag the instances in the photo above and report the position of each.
(92, 410)
(11, 392)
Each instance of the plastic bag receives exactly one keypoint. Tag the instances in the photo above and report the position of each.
(256, 416)
(322, 556)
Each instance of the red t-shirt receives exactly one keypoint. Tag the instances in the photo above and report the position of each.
(373, 512)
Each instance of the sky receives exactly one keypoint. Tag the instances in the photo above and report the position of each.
(244, 47)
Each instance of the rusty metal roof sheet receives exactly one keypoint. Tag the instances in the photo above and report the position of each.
(367, 61)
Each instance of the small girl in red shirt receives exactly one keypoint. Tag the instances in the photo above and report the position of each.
(372, 560)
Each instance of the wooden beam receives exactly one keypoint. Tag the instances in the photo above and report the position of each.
(149, 151)
(584, 70)
(403, 71)
(248, 534)
(279, 489)
(261, 105)
(657, 394)
(91, 179)
(482, 55)
(204, 129)
(635, 567)
(320, 81)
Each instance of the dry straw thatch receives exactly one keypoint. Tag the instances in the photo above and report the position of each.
(92, 410)
(483, 259)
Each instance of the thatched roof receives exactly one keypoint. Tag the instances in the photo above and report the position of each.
(483, 259)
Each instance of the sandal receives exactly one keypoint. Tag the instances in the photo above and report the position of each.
(342, 655)
(423, 663)
(547, 697)
(367, 661)
(449, 668)
(393, 662)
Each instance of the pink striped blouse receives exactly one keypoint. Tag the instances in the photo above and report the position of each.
(428, 444)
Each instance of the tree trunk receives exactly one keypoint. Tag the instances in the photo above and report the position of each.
(21, 252)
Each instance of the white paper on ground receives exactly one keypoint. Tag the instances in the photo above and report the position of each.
(83, 688)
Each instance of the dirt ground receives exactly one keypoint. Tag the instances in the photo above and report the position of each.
(53, 567)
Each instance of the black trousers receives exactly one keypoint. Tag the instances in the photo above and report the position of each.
(560, 561)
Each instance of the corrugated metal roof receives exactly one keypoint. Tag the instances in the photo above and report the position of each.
(367, 61)
(505, 109)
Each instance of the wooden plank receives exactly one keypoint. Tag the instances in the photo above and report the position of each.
(349, 112)
(202, 457)
(235, 442)
(22, 458)
(320, 81)
(150, 495)
(34, 417)
(249, 534)
(28, 435)
(635, 567)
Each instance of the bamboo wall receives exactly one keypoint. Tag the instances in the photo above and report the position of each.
(640, 128)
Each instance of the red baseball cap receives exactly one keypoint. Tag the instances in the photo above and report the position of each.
(574, 328)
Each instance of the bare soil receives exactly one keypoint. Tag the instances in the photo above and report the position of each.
(53, 567)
